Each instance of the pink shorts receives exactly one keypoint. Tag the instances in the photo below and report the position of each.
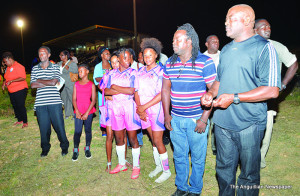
(106, 111)
(124, 116)
(155, 117)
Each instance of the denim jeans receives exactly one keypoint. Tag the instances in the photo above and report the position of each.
(186, 140)
(235, 146)
(47, 115)
(87, 128)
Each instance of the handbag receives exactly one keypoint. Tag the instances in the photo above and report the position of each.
(73, 76)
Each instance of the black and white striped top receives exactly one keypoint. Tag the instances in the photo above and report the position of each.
(47, 95)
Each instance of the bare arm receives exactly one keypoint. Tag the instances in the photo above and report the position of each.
(166, 100)
(206, 99)
(258, 94)
(290, 73)
(109, 91)
(123, 90)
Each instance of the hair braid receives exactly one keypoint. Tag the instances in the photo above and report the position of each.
(191, 34)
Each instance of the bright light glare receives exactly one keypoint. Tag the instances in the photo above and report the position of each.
(20, 23)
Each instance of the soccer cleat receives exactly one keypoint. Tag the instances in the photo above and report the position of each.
(135, 172)
(156, 171)
(118, 169)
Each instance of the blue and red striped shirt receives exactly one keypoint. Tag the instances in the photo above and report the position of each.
(189, 84)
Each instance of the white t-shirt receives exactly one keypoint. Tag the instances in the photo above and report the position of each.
(134, 65)
(284, 55)
(215, 57)
(74, 59)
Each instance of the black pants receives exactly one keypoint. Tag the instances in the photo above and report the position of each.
(17, 100)
(47, 115)
(87, 128)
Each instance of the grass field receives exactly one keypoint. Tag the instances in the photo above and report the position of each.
(24, 172)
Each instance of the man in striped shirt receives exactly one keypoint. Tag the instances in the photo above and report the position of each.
(187, 74)
(48, 104)
(248, 75)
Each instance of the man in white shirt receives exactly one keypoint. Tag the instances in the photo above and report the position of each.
(212, 44)
(263, 28)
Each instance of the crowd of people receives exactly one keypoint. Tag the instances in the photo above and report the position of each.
(189, 94)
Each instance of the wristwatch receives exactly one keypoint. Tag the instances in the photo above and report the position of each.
(283, 87)
(236, 99)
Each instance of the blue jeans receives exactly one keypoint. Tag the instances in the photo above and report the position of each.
(235, 146)
(87, 128)
(47, 115)
(186, 140)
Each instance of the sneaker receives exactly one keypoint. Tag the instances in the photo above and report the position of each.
(156, 171)
(75, 154)
(135, 172)
(163, 177)
(87, 153)
(180, 193)
(64, 152)
(118, 169)
(18, 123)
(44, 153)
(25, 125)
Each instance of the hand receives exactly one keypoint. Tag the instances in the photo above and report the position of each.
(113, 86)
(223, 101)
(200, 126)
(78, 114)
(143, 116)
(7, 83)
(140, 109)
(84, 116)
(207, 99)
(168, 119)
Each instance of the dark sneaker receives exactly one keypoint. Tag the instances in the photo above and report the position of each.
(180, 193)
(64, 152)
(87, 152)
(75, 156)
(44, 153)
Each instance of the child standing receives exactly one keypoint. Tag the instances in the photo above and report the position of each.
(122, 87)
(148, 99)
(84, 99)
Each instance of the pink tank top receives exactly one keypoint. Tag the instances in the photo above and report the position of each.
(84, 95)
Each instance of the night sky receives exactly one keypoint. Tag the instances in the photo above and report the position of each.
(46, 20)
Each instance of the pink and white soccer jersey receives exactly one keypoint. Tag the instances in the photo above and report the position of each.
(150, 83)
(123, 107)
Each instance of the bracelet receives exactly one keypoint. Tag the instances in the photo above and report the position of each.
(202, 121)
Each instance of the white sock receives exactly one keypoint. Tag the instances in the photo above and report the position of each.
(164, 161)
(156, 157)
(136, 157)
(157, 161)
(121, 154)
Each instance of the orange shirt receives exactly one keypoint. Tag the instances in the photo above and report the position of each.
(13, 72)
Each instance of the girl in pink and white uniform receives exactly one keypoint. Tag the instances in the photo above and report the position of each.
(122, 84)
(148, 99)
